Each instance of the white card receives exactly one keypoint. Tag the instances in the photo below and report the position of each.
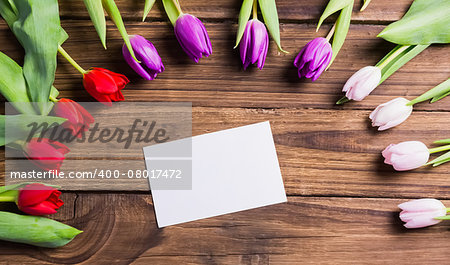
(232, 170)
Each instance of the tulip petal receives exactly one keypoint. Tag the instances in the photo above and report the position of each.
(404, 162)
(422, 204)
(33, 194)
(243, 45)
(422, 221)
(262, 56)
(137, 67)
(44, 208)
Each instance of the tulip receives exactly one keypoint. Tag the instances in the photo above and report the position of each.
(362, 83)
(406, 155)
(147, 54)
(192, 36)
(39, 199)
(391, 114)
(45, 154)
(78, 118)
(421, 213)
(104, 85)
(313, 59)
(254, 44)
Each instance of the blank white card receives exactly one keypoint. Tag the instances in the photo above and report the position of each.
(232, 170)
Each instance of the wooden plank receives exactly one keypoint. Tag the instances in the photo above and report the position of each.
(326, 152)
(220, 81)
(378, 11)
(121, 228)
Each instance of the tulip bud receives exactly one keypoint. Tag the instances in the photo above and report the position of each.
(254, 44)
(146, 53)
(391, 114)
(406, 155)
(35, 230)
(421, 213)
(45, 154)
(104, 85)
(362, 83)
(192, 36)
(314, 58)
(78, 118)
(39, 199)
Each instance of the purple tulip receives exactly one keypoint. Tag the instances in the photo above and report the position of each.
(312, 60)
(147, 54)
(192, 36)
(254, 44)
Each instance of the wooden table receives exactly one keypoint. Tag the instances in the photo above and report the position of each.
(342, 199)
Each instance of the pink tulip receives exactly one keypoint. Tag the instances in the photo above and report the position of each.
(362, 83)
(391, 114)
(406, 155)
(421, 213)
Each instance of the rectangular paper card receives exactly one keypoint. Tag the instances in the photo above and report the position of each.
(228, 171)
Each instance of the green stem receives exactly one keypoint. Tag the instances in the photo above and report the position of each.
(392, 56)
(443, 141)
(177, 5)
(447, 209)
(328, 37)
(71, 60)
(9, 196)
(53, 99)
(439, 149)
(366, 3)
(255, 9)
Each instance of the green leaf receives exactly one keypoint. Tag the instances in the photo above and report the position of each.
(35, 230)
(171, 10)
(366, 3)
(148, 6)
(114, 14)
(440, 160)
(270, 15)
(21, 184)
(244, 16)
(17, 127)
(402, 58)
(426, 22)
(439, 92)
(332, 7)
(342, 26)
(95, 10)
(38, 29)
(444, 141)
(13, 86)
(8, 11)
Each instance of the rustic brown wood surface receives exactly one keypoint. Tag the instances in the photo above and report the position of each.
(342, 199)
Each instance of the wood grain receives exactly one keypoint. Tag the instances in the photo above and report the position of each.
(321, 152)
(121, 229)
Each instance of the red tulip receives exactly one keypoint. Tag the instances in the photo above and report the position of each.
(39, 199)
(104, 85)
(78, 119)
(46, 154)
